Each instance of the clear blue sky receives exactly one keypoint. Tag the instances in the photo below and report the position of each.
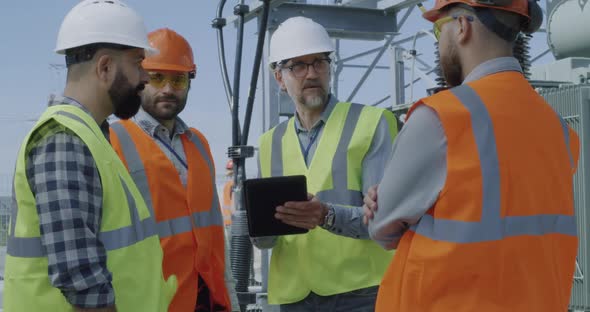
(28, 29)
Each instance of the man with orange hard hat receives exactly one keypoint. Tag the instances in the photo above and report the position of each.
(477, 197)
(174, 170)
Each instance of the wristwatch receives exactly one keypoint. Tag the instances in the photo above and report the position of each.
(329, 218)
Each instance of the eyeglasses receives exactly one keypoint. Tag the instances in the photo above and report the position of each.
(177, 82)
(441, 21)
(300, 69)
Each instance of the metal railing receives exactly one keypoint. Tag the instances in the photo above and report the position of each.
(573, 104)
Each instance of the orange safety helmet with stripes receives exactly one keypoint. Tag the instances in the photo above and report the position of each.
(526, 8)
(175, 54)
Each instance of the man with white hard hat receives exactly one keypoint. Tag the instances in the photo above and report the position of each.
(81, 235)
(340, 148)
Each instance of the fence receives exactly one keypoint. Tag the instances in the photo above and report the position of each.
(573, 104)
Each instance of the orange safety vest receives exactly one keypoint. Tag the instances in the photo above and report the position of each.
(189, 219)
(502, 234)
(226, 207)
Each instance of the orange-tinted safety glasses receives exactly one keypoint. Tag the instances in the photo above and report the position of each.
(176, 81)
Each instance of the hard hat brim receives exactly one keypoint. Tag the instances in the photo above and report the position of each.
(294, 55)
(432, 15)
(149, 50)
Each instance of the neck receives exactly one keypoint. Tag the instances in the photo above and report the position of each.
(99, 105)
(480, 56)
(309, 117)
(168, 124)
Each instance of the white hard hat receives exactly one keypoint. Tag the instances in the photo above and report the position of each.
(298, 36)
(102, 21)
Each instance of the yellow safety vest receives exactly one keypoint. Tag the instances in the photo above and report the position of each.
(134, 255)
(320, 261)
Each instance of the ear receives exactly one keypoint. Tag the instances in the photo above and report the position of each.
(536, 15)
(464, 30)
(279, 79)
(105, 67)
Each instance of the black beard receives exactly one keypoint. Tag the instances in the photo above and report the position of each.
(125, 98)
(451, 68)
(150, 106)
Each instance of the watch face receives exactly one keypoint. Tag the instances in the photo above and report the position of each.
(330, 218)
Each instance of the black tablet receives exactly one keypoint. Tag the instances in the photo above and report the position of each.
(262, 196)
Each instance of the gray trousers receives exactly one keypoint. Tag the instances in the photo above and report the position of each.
(361, 300)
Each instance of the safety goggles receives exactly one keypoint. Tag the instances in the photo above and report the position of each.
(441, 21)
(176, 81)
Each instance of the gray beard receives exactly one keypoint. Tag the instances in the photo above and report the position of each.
(314, 103)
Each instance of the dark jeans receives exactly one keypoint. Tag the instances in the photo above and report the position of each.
(205, 299)
(361, 300)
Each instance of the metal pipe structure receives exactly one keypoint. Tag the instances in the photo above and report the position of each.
(413, 53)
(219, 23)
(238, 10)
(241, 248)
(430, 71)
(337, 70)
(352, 57)
(255, 70)
(405, 17)
(370, 69)
(540, 55)
(363, 66)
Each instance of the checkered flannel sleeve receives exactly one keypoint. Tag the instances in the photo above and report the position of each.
(65, 181)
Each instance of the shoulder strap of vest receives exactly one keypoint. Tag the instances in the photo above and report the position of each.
(130, 153)
(213, 216)
(133, 160)
(270, 158)
(202, 145)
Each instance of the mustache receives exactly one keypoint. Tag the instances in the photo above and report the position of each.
(312, 84)
(167, 98)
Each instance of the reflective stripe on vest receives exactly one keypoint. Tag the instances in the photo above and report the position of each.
(136, 168)
(31, 247)
(492, 226)
(340, 191)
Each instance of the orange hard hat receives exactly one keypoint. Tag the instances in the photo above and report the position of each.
(520, 7)
(175, 54)
(229, 165)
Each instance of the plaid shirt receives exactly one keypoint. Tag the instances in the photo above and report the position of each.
(64, 178)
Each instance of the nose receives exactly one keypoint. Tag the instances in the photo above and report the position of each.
(311, 72)
(167, 88)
